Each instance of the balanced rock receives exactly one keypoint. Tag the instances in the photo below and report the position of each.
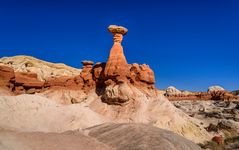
(117, 66)
(117, 29)
(112, 80)
(87, 62)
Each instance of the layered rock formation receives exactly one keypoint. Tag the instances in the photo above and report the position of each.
(139, 136)
(6, 75)
(114, 91)
(102, 137)
(113, 79)
(43, 69)
(119, 75)
(213, 93)
(117, 67)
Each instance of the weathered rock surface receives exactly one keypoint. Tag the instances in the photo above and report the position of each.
(110, 80)
(214, 93)
(116, 66)
(215, 88)
(102, 137)
(10, 140)
(34, 113)
(28, 80)
(171, 90)
(117, 29)
(43, 69)
(141, 73)
(118, 94)
(6, 74)
(87, 62)
(139, 136)
(219, 118)
(103, 93)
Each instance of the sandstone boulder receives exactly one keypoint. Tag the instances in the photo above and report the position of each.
(171, 90)
(117, 94)
(215, 88)
(87, 62)
(117, 29)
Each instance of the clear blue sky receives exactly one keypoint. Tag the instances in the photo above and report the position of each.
(190, 44)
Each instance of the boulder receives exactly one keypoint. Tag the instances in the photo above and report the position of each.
(215, 88)
(117, 94)
(87, 62)
(117, 29)
(218, 139)
(172, 91)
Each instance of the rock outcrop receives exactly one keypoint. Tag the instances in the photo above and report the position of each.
(171, 90)
(117, 67)
(119, 75)
(219, 118)
(6, 75)
(214, 93)
(43, 69)
(107, 136)
(111, 80)
(215, 88)
(139, 136)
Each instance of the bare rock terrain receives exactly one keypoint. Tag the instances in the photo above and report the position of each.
(43, 69)
(139, 136)
(11, 140)
(219, 118)
(106, 105)
(101, 137)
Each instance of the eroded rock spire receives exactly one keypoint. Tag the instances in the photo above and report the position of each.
(117, 65)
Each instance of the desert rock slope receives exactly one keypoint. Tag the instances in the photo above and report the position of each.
(43, 69)
(107, 98)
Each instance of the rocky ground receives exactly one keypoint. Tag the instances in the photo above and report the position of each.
(217, 117)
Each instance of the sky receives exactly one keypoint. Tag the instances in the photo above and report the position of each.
(190, 44)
